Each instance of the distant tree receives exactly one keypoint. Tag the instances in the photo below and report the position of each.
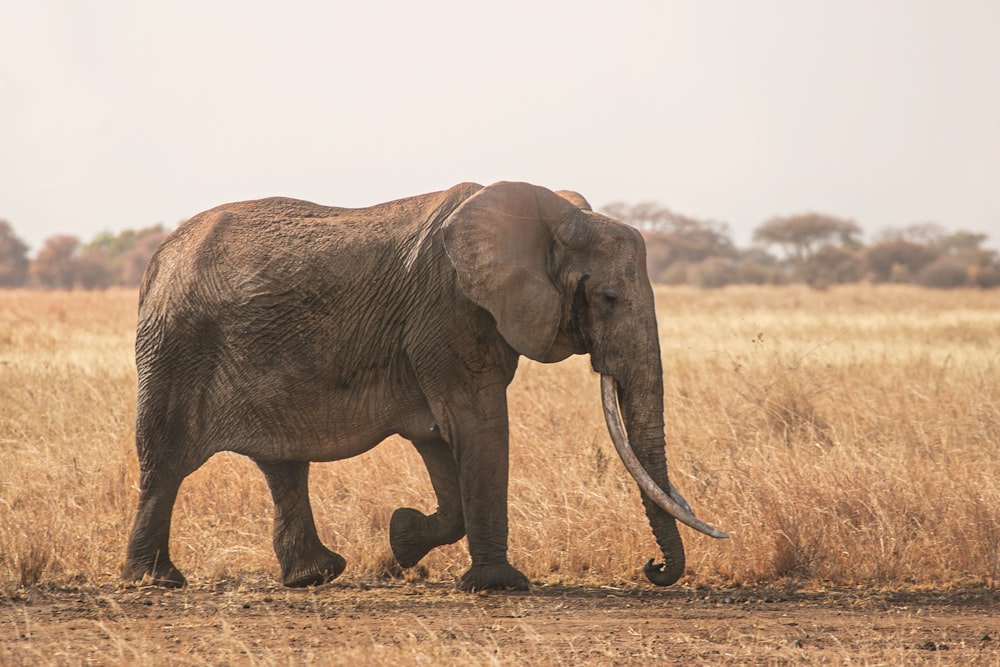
(982, 265)
(960, 242)
(122, 243)
(135, 261)
(674, 241)
(713, 272)
(127, 252)
(659, 256)
(13, 257)
(922, 233)
(698, 240)
(831, 265)
(757, 266)
(93, 269)
(985, 272)
(899, 260)
(800, 236)
(645, 216)
(945, 272)
(929, 254)
(55, 264)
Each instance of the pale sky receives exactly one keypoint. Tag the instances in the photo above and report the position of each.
(126, 113)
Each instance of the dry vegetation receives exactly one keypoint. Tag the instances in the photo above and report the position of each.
(847, 438)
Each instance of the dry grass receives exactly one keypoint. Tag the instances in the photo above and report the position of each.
(844, 437)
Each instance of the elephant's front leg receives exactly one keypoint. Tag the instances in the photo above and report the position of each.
(411, 533)
(303, 558)
(482, 457)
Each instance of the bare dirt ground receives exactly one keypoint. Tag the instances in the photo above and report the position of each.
(420, 623)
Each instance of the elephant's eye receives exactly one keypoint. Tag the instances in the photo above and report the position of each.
(610, 295)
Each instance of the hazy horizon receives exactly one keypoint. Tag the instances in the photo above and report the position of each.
(120, 115)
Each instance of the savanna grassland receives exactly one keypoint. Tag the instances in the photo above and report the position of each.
(849, 439)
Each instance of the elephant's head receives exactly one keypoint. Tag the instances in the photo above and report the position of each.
(560, 279)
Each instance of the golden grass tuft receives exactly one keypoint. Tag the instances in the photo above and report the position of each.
(845, 437)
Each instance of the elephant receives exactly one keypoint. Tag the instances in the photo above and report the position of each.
(291, 332)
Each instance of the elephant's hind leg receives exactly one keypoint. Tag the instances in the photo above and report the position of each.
(303, 558)
(411, 533)
(148, 553)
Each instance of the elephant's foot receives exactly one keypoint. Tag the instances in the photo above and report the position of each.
(413, 534)
(314, 569)
(162, 574)
(493, 577)
(408, 536)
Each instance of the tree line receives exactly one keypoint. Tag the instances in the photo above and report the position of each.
(64, 262)
(812, 248)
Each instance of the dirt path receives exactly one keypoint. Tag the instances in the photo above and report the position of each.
(404, 624)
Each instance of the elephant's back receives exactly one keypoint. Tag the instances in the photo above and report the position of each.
(261, 227)
(222, 250)
(261, 251)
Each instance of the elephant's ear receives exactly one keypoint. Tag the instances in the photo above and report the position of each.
(576, 199)
(498, 240)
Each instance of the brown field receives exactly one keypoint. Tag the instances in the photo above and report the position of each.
(847, 438)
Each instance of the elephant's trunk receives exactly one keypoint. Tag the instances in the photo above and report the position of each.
(643, 409)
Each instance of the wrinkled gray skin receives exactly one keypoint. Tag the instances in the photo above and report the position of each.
(291, 332)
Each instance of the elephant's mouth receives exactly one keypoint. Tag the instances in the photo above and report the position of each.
(673, 502)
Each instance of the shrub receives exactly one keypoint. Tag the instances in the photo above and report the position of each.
(712, 272)
(94, 269)
(832, 266)
(659, 256)
(13, 257)
(944, 272)
(675, 273)
(898, 260)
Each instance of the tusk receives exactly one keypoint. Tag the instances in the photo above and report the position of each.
(674, 504)
(679, 499)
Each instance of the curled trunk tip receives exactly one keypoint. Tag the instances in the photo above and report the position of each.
(660, 574)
